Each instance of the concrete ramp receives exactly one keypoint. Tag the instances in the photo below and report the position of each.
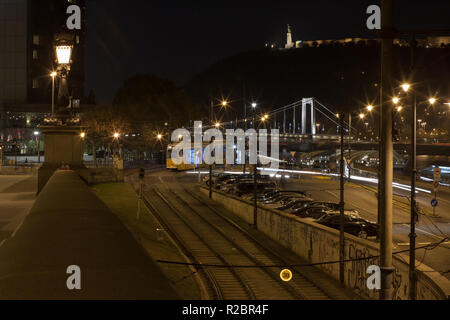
(69, 226)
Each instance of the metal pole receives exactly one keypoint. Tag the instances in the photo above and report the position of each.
(139, 200)
(210, 167)
(210, 181)
(349, 145)
(39, 149)
(342, 212)
(387, 165)
(412, 236)
(211, 112)
(53, 95)
(255, 185)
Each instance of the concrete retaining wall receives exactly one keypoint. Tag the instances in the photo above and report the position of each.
(318, 244)
(100, 175)
(20, 170)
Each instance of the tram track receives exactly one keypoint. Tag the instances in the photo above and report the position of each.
(265, 282)
(207, 236)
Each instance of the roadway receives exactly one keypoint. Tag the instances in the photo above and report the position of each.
(362, 197)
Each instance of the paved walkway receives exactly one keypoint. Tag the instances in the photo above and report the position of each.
(68, 225)
(17, 196)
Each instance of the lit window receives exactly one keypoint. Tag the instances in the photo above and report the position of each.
(35, 83)
(36, 39)
(77, 39)
(35, 54)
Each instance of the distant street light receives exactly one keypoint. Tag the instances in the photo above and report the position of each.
(399, 109)
(432, 101)
(406, 87)
(254, 105)
(116, 135)
(370, 108)
(217, 125)
(159, 137)
(83, 135)
(362, 116)
(396, 100)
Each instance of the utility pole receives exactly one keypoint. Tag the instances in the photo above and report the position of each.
(255, 180)
(141, 187)
(413, 160)
(210, 181)
(387, 163)
(349, 145)
(53, 75)
(342, 209)
(210, 167)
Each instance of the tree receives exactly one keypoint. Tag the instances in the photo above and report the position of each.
(102, 123)
(153, 100)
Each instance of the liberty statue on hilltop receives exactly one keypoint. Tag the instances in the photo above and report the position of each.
(289, 43)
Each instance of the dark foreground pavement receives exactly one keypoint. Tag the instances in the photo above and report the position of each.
(68, 225)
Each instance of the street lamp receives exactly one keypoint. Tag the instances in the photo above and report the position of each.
(432, 101)
(370, 108)
(63, 54)
(63, 49)
(362, 116)
(406, 87)
(396, 100)
(83, 135)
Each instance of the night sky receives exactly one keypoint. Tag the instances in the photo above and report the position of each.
(177, 39)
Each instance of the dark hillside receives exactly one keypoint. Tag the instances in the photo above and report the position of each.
(344, 76)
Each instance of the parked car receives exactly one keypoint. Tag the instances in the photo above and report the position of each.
(243, 188)
(295, 203)
(353, 225)
(315, 212)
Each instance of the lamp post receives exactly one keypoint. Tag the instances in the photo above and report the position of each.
(413, 216)
(255, 179)
(63, 48)
(37, 134)
(53, 75)
(342, 208)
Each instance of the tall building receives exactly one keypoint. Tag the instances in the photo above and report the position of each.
(27, 57)
(27, 54)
